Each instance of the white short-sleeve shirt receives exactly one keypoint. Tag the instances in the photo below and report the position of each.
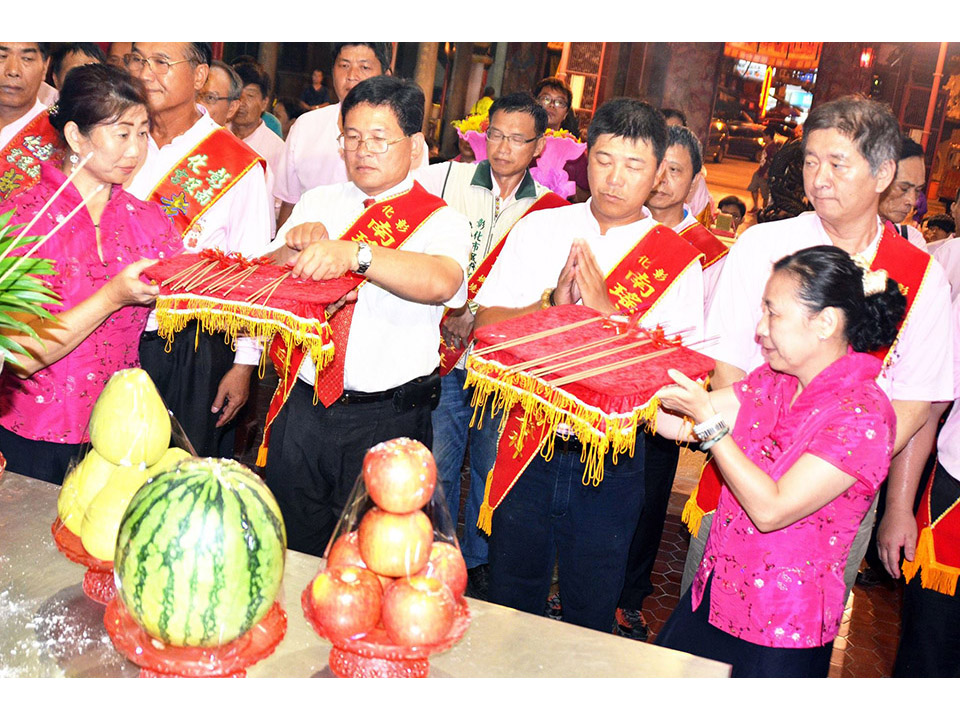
(268, 145)
(948, 441)
(710, 274)
(537, 249)
(392, 340)
(923, 358)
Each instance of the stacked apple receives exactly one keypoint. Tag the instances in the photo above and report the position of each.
(130, 438)
(390, 571)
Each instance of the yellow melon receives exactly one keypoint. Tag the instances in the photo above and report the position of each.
(170, 458)
(129, 423)
(101, 520)
(80, 487)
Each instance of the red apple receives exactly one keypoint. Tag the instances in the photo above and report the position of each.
(347, 601)
(345, 551)
(418, 611)
(400, 475)
(392, 544)
(446, 564)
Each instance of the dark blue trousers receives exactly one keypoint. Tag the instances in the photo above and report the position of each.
(551, 515)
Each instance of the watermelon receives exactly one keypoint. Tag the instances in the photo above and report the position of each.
(200, 551)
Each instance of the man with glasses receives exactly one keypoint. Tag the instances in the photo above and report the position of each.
(212, 188)
(26, 136)
(557, 99)
(493, 195)
(311, 157)
(411, 251)
(221, 93)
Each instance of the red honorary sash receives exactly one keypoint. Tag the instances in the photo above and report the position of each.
(706, 242)
(636, 285)
(387, 223)
(202, 177)
(20, 159)
(903, 262)
(938, 546)
(449, 355)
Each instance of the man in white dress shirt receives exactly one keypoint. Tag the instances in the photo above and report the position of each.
(311, 157)
(388, 380)
(549, 512)
(234, 220)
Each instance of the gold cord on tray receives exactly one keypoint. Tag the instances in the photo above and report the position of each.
(537, 336)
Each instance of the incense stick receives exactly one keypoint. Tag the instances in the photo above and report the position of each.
(37, 245)
(575, 377)
(56, 194)
(540, 372)
(243, 276)
(536, 336)
(223, 277)
(185, 271)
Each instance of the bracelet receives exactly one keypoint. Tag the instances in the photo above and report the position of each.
(546, 299)
(708, 427)
(715, 439)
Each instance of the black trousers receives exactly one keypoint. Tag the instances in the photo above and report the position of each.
(930, 620)
(188, 380)
(39, 459)
(690, 631)
(659, 469)
(316, 455)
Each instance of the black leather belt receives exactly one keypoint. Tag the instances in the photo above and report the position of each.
(424, 390)
(568, 444)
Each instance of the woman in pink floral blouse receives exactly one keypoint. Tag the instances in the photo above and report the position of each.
(45, 404)
(811, 443)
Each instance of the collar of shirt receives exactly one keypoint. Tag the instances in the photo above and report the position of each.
(8, 132)
(483, 177)
(646, 217)
(356, 193)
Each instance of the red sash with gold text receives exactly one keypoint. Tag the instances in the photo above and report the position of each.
(387, 223)
(449, 355)
(636, 285)
(906, 264)
(21, 157)
(706, 242)
(202, 177)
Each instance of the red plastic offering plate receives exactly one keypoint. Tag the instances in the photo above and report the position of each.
(374, 655)
(98, 582)
(156, 659)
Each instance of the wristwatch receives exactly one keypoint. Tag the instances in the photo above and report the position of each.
(364, 258)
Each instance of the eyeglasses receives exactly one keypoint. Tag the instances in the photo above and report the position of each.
(375, 145)
(552, 102)
(158, 65)
(212, 98)
(517, 141)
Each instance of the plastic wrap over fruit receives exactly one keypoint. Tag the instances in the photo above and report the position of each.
(394, 571)
(133, 437)
(200, 554)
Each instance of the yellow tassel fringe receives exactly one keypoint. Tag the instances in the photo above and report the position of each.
(692, 515)
(933, 575)
(485, 516)
(235, 319)
(599, 432)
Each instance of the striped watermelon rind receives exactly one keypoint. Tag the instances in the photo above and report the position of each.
(200, 553)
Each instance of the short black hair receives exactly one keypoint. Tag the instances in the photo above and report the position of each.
(733, 200)
(910, 148)
(403, 97)
(382, 50)
(291, 105)
(524, 103)
(555, 83)
(685, 137)
(632, 120)
(44, 48)
(488, 91)
(943, 221)
(870, 125)
(86, 48)
(674, 113)
(253, 74)
(94, 94)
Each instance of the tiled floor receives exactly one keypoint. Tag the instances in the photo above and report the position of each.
(868, 636)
